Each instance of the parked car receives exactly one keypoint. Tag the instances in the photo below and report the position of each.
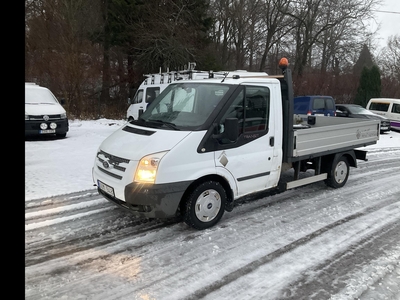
(357, 111)
(44, 115)
(314, 105)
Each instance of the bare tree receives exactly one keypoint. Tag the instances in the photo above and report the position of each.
(58, 53)
(275, 25)
(82, 48)
(389, 63)
(315, 18)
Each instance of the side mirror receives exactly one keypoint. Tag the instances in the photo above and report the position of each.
(140, 112)
(129, 100)
(232, 128)
(62, 101)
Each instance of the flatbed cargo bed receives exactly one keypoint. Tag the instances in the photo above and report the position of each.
(332, 134)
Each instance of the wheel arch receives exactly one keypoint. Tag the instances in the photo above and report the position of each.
(327, 160)
(211, 177)
(351, 157)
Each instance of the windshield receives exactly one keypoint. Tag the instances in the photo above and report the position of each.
(39, 95)
(358, 110)
(183, 105)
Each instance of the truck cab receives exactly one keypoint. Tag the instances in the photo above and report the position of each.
(199, 132)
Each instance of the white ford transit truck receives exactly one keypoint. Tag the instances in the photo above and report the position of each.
(203, 144)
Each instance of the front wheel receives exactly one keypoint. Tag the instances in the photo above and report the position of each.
(338, 173)
(205, 205)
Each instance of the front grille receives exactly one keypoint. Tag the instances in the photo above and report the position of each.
(40, 118)
(110, 173)
(113, 157)
(111, 164)
(114, 165)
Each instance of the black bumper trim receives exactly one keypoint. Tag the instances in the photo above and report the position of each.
(152, 201)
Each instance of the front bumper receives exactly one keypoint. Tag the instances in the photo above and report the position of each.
(385, 126)
(32, 127)
(151, 200)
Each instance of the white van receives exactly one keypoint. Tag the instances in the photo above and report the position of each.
(44, 115)
(387, 107)
(155, 83)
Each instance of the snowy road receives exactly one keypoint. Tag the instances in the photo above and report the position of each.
(313, 242)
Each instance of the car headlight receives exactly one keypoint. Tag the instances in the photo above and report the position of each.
(147, 168)
(63, 116)
(26, 117)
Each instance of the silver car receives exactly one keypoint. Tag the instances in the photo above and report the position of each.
(357, 111)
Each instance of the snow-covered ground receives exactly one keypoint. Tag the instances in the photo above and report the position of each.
(54, 167)
(312, 242)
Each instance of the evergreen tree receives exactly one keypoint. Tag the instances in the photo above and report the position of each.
(369, 86)
(364, 60)
(375, 79)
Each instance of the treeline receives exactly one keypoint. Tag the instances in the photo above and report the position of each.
(93, 53)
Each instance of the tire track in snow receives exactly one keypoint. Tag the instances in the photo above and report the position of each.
(317, 283)
(61, 257)
(252, 266)
(119, 229)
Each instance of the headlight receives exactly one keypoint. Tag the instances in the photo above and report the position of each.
(26, 117)
(147, 169)
(63, 116)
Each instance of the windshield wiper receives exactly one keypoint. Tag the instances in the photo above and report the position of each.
(168, 124)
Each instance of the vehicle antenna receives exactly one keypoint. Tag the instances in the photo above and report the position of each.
(226, 75)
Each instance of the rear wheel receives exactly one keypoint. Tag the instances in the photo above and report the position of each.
(338, 173)
(205, 205)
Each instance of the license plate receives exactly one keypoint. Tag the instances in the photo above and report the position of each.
(105, 188)
(319, 115)
(47, 131)
(384, 127)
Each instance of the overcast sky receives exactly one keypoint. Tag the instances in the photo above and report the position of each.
(388, 14)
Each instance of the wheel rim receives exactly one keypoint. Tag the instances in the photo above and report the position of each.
(341, 172)
(208, 205)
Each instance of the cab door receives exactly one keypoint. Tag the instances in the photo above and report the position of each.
(253, 160)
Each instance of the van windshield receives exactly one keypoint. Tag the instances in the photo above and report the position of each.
(379, 106)
(39, 95)
(183, 105)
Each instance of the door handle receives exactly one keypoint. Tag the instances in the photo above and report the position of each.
(271, 141)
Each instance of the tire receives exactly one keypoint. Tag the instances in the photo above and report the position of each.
(205, 205)
(338, 173)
